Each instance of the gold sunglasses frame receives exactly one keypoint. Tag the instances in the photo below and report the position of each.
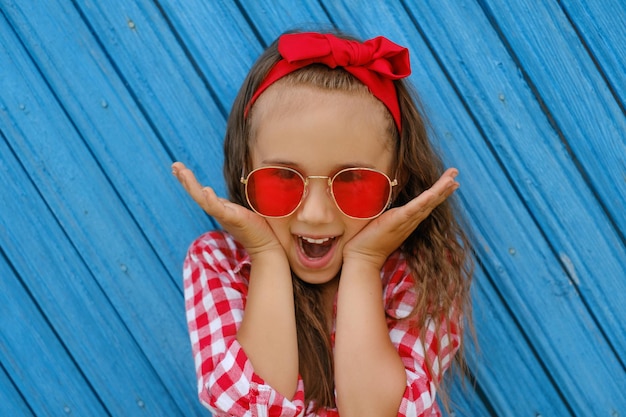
(330, 179)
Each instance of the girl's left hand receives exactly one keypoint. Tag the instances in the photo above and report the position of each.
(386, 233)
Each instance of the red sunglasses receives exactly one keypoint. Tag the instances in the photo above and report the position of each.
(359, 193)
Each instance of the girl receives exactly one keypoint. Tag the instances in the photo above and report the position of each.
(339, 281)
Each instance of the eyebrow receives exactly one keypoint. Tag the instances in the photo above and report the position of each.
(278, 162)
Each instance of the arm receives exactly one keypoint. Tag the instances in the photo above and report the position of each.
(409, 390)
(369, 374)
(268, 330)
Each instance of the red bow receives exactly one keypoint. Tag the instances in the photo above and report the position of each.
(376, 63)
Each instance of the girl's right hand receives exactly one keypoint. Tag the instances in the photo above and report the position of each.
(376, 241)
(246, 226)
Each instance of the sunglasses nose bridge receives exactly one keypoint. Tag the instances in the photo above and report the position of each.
(316, 177)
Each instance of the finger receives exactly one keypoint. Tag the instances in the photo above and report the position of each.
(445, 185)
(189, 182)
(224, 211)
(176, 168)
(205, 197)
(428, 200)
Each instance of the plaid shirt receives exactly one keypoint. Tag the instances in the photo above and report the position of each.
(216, 273)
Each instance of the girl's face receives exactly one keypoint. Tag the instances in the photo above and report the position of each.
(319, 133)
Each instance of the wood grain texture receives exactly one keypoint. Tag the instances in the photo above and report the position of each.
(75, 311)
(86, 249)
(600, 27)
(36, 359)
(13, 403)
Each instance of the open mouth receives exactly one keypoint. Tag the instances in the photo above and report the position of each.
(315, 248)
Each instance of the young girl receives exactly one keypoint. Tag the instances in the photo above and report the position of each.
(339, 282)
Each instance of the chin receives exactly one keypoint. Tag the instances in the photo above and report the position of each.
(317, 277)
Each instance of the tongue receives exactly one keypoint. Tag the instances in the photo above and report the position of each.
(314, 250)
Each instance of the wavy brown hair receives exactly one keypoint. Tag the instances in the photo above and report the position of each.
(437, 251)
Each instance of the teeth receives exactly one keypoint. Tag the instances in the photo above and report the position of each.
(316, 241)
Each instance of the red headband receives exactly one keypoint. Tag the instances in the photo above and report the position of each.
(376, 63)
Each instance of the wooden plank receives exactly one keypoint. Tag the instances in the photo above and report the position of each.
(11, 400)
(563, 202)
(593, 127)
(214, 33)
(504, 380)
(179, 102)
(272, 19)
(36, 359)
(569, 207)
(99, 247)
(554, 211)
(511, 245)
(600, 24)
(74, 305)
(132, 141)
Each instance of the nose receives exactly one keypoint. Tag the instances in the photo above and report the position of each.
(317, 206)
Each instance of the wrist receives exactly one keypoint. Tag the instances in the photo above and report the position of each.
(361, 267)
(271, 253)
(363, 262)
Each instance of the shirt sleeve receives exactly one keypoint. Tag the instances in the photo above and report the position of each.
(439, 345)
(215, 276)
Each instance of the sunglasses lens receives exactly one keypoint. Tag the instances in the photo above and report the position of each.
(361, 193)
(274, 191)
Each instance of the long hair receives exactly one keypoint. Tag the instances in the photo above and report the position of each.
(437, 251)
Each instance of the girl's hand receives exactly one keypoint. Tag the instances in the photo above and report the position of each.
(386, 233)
(247, 227)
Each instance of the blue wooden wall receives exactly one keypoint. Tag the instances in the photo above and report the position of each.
(97, 98)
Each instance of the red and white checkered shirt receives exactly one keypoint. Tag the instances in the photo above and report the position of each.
(216, 273)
